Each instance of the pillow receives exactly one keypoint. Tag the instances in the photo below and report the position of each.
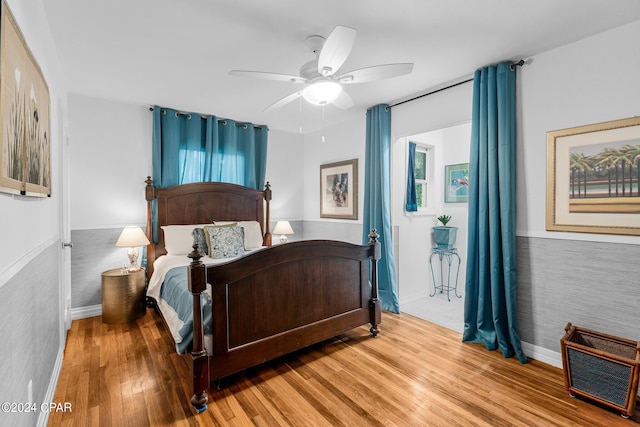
(178, 239)
(225, 241)
(252, 232)
(200, 238)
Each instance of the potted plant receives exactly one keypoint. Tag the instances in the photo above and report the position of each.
(445, 236)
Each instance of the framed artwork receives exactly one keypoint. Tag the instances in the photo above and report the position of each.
(593, 178)
(456, 183)
(339, 190)
(25, 142)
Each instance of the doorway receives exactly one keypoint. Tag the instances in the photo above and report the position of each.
(446, 148)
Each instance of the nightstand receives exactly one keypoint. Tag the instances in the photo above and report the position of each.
(123, 295)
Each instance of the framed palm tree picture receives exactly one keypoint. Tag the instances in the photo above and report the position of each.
(593, 178)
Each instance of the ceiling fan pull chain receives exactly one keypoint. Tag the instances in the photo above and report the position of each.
(323, 123)
(300, 113)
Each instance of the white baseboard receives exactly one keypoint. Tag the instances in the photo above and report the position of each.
(84, 312)
(43, 419)
(67, 319)
(541, 354)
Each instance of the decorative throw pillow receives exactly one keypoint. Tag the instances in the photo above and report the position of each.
(225, 241)
(252, 232)
(200, 238)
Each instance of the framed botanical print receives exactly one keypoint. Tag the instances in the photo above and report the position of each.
(25, 142)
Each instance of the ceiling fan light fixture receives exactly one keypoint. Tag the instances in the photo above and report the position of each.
(322, 92)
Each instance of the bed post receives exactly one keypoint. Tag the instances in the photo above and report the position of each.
(267, 226)
(375, 310)
(197, 284)
(151, 248)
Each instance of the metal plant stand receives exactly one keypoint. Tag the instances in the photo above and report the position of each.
(449, 255)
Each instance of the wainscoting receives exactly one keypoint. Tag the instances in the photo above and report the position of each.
(30, 332)
(333, 230)
(93, 252)
(590, 284)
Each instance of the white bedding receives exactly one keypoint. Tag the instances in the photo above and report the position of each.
(161, 267)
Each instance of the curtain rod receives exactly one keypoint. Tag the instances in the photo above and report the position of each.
(512, 67)
(202, 116)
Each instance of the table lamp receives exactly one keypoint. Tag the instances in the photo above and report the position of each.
(283, 228)
(132, 237)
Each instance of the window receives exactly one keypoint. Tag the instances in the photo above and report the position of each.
(420, 174)
(420, 182)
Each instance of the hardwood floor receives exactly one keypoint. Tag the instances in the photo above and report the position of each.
(415, 374)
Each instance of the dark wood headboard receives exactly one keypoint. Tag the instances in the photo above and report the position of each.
(201, 203)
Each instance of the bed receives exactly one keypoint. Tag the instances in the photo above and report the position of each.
(264, 303)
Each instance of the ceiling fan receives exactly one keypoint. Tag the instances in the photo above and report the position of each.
(321, 77)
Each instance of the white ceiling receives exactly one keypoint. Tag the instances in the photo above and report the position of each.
(178, 54)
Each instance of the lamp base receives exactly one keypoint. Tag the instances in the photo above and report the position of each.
(283, 238)
(133, 259)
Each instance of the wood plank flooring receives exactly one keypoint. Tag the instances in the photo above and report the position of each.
(415, 374)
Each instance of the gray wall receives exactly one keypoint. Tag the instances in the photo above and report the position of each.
(93, 252)
(346, 231)
(29, 333)
(593, 285)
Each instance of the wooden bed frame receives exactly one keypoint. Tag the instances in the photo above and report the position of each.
(272, 301)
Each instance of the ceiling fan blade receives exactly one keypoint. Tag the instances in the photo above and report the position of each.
(343, 101)
(336, 49)
(284, 101)
(268, 76)
(377, 72)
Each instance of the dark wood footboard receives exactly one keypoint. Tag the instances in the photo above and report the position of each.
(278, 300)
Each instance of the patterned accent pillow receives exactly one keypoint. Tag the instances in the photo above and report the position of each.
(200, 238)
(225, 242)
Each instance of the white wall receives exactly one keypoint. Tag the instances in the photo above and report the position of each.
(110, 159)
(590, 81)
(31, 291)
(285, 169)
(28, 223)
(345, 141)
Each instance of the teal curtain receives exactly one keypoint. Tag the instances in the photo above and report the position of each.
(411, 204)
(490, 312)
(377, 200)
(190, 147)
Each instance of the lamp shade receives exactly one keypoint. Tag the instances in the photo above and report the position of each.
(322, 92)
(283, 227)
(131, 237)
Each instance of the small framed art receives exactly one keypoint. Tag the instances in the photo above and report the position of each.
(339, 190)
(456, 183)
